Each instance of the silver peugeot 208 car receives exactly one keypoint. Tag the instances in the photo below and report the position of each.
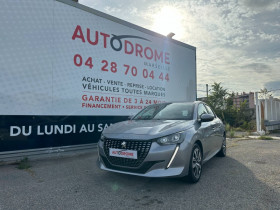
(164, 140)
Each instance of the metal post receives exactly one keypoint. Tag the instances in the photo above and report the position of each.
(257, 112)
(260, 116)
(271, 108)
(279, 109)
(265, 109)
(276, 111)
(207, 90)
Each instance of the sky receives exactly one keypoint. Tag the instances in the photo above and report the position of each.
(237, 41)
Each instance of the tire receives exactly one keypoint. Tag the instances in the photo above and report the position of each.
(223, 150)
(195, 166)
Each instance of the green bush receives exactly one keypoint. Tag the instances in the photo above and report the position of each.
(232, 133)
(244, 125)
(252, 125)
(239, 129)
(227, 127)
(24, 164)
(265, 138)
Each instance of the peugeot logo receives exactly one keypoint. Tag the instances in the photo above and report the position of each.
(123, 144)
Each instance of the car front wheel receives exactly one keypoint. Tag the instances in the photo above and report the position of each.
(195, 166)
(223, 150)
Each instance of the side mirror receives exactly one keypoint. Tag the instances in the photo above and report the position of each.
(206, 117)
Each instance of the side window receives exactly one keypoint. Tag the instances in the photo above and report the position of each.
(210, 111)
(201, 110)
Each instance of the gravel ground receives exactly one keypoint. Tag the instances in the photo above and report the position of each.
(248, 178)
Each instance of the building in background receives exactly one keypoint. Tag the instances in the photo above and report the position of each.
(248, 97)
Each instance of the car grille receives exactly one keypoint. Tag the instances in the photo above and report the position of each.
(141, 170)
(142, 148)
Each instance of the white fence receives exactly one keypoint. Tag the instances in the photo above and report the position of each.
(272, 109)
(267, 111)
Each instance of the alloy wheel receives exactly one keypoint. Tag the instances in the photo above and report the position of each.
(196, 163)
(224, 146)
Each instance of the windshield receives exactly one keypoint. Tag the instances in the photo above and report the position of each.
(167, 111)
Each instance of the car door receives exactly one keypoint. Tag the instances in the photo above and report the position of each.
(217, 130)
(205, 131)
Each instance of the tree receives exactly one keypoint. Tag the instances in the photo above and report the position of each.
(217, 99)
(230, 112)
(265, 93)
(221, 102)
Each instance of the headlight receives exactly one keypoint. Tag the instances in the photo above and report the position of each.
(102, 137)
(172, 139)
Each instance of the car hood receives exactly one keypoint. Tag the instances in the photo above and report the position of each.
(146, 129)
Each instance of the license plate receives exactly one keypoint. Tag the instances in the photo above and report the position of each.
(132, 154)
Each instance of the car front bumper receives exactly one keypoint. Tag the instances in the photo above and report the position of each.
(161, 161)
